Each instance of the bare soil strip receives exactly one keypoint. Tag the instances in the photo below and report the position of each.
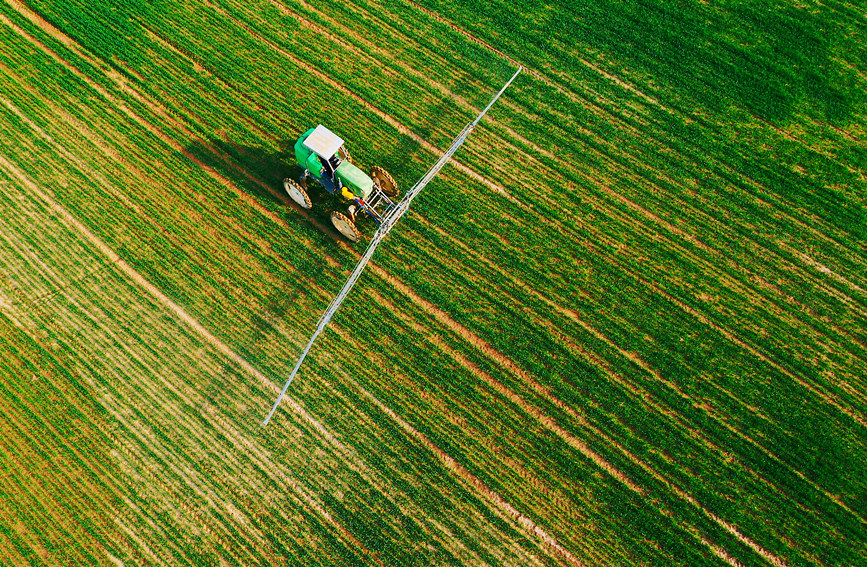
(161, 112)
(528, 408)
(825, 270)
(530, 70)
(183, 316)
(260, 38)
(336, 85)
(473, 481)
(130, 272)
(827, 398)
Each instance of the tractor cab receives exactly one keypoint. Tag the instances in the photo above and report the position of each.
(322, 156)
(316, 151)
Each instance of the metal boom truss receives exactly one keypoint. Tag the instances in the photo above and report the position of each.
(385, 226)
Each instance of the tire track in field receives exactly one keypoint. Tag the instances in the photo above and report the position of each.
(388, 119)
(650, 400)
(603, 187)
(500, 503)
(826, 271)
(503, 361)
(552, 426)
(830, 399)
(298, 410)
(176, 309)
(346, 454)
(579, 100)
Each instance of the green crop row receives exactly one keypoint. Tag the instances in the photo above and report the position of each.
(193, 270)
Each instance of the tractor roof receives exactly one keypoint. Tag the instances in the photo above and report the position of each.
(323, 142)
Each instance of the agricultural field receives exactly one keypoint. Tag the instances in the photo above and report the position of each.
(627, 325)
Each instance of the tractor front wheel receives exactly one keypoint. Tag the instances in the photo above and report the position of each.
(385, 181)
(297, 193)
(345, 226)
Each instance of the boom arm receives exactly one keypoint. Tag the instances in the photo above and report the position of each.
(387, 223)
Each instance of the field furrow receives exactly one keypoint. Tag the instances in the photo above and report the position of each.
(626, 328)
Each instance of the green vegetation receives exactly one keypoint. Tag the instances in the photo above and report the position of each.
(634, 314)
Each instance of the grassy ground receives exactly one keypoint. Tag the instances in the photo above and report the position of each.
(626, 326)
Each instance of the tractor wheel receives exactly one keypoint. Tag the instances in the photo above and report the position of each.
(384, 181)
(345, 226)
(343, 153)
(297, 193)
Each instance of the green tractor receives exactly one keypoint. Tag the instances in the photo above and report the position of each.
(323, 158)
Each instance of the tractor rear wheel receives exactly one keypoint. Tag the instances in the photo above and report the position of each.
(385, 181)
(297, 193)
(345, 226)
(343, 153)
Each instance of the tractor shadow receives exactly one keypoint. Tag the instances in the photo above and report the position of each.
(259, 172)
